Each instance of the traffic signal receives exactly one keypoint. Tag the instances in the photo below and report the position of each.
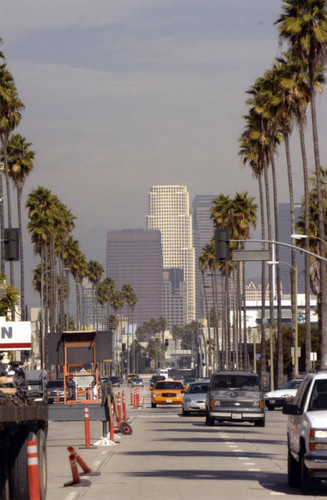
(11, 244)
(222, 245)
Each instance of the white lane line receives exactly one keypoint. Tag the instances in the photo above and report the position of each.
(249, 463)
(276, 493)
(97, 463)
(243, 458)
(71, 496)
(254, 470)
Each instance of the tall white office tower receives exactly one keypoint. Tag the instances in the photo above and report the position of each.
(169, 211)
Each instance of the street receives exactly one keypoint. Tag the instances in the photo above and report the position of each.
(176, 457)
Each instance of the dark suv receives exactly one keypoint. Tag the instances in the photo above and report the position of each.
(235, 396)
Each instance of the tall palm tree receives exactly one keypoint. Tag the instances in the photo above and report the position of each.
(20, 164)
(237, 215)
(303, 25)
(10, 116)
(94, 273)
(130, 300)
(79, 271)
(117, 303)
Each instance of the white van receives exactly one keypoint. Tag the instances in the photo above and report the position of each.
(163, 372)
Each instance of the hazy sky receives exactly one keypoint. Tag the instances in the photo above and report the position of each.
(121, 95)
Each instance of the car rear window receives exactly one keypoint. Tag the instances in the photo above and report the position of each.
(236, 382)
(169, 385)
(197, 388)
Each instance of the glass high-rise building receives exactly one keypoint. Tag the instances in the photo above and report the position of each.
(203, 231)
(169, 211)
(134, 257)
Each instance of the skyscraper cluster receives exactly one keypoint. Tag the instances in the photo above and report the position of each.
(161, 261)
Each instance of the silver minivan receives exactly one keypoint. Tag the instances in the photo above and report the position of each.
(235, 396)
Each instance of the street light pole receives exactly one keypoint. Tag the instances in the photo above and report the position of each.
(296, 329)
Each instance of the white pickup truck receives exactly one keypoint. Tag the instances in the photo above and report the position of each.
(307, 433)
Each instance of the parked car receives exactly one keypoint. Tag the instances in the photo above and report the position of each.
(130, 377)
(154, 379)
(115, 381)
(235, 396)
(188, 381)
(195, 398)
(285, 394)
(137, 382)
(307, 433)
(167, 392)
(55, 389)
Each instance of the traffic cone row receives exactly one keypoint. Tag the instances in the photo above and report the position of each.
(74, 460)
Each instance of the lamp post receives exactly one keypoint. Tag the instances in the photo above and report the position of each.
(296, 337)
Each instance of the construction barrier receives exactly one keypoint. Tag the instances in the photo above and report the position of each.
(119, 408)
(58, 400)
(87, 427)
(124, 406)
(131, 396)
(33, 470)
(74, 469)
(79, 460)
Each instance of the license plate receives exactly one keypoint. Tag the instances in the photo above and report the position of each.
(272, 401)
(169, 400)
(236, 416)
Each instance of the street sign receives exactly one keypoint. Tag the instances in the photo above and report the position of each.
(250, 255)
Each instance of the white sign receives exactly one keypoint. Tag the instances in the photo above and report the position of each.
(15, 335)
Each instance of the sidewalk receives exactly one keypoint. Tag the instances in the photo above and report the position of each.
(64, 434)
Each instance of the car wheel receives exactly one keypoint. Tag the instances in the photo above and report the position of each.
(260, 423)
(293, 471)
(307, 483)
(209, 420)
(270, 407)
(153, 405)
(185, 413)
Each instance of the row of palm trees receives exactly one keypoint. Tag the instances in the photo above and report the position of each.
(238, 215)
(50, 226)
(17, 162)
(278, 102)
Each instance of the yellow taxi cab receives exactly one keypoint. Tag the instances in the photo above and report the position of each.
(130, 377)
(167, 392)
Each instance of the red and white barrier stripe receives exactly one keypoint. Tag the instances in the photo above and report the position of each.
(33, 470)
(79, 460)
(73, 466)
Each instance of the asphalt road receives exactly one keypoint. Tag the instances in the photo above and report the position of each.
(169, 456)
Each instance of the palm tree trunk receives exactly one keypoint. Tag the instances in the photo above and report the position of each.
(293, 269)
(21, 255)
(323, 290)
(8, 196)
(2, 228)
(280, 354)
(270, 276)
(263, 292)
(307, 247)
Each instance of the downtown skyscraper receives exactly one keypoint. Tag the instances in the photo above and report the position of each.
(169, 211)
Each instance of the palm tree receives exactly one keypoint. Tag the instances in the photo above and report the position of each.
(94, 273)
(20, 164)
(130, 300)
(237, 215)
(79, 271)
(303, 25)
(117, 303)
(10, 116)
